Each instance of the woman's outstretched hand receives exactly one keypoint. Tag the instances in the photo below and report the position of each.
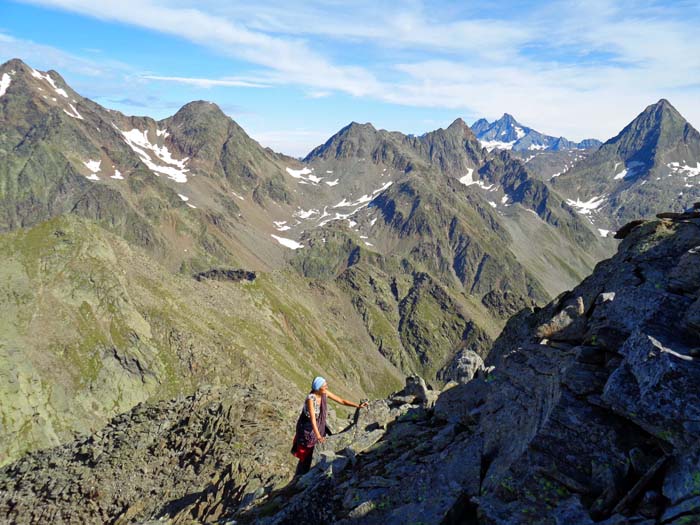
(364, 404)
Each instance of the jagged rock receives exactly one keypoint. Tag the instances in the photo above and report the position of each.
(416, 391)
(567, 325)
(654, 388)
(605, 297)
(463, 367)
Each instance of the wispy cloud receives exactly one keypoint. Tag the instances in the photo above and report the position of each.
(49, 57)
(290, 60)
(208, 82)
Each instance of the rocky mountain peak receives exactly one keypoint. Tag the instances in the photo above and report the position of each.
(655, 158)
(507, 133)
(461, 129)
(662, 114)
(14, 64)
(458, 124)
(507, 118)
(198, 110)
(658, 128)
(355, 138)
(356, 128)
(48, 85)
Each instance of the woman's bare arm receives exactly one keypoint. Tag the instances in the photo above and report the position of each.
(312, 414)
(342, 401)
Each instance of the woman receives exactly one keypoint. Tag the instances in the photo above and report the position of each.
(311, 425)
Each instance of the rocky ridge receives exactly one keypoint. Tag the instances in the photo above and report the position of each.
(589, 414)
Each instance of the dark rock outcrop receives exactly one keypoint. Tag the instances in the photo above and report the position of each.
(225, 274)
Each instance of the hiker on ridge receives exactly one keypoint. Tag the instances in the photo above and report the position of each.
(311, 425)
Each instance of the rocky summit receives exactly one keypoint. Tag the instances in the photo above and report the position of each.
(169, 288)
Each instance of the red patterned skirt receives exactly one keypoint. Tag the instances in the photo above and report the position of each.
(300, 451)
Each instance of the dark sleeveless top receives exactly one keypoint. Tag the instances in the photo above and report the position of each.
(305, 435)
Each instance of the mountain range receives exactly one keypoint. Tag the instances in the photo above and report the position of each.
(415, 250)
(143, 259)
(507, 133)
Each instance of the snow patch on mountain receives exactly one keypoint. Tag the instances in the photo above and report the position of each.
(73, 112)
(490, 145)
(345, 203)
(139, 143)
(332, 182)
(630, 170)
(298, 174)
(183, 197)
(51, 81)
(588, 206)
(305, 214)
(288, 243)
(468, 180)
(94, 167)
(686, 170)
(304, 175)
(4, 83)
(117, 175)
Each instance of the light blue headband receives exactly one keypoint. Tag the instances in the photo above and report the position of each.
(317, 383)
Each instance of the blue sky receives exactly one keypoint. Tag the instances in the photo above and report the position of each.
(293, 73)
